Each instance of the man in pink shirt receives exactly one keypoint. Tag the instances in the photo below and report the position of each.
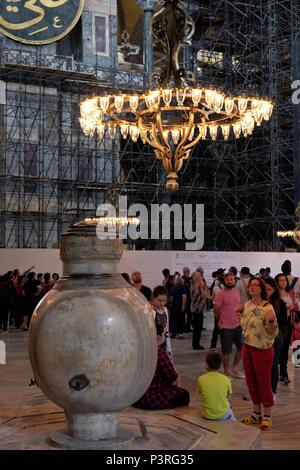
(225, 303)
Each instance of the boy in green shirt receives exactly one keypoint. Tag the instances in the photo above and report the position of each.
(215, 389)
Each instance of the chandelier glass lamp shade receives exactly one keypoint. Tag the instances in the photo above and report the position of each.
(177, 113)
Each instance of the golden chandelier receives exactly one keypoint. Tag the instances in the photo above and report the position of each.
(177, 114)
(295, 234)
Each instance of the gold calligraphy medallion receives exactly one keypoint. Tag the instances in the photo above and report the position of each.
(39, 21)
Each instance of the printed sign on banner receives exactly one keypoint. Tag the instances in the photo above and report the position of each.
(209, 261)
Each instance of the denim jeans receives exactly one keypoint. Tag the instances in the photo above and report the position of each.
(228, 416)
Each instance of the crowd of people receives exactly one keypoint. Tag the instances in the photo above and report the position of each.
(257, 314)
(20, 294)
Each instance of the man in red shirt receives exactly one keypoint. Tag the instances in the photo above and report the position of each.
(225, 303)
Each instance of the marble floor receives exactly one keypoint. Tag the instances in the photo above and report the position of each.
(27, 417)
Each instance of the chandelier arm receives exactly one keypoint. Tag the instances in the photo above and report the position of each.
(186, 135)
(166, 152)
(155, 139)
(184, 155)
(159, 155)
(161, 131)
(191, 145)
(180, 150)
(157, 145)
(145, 137)
(157, 148)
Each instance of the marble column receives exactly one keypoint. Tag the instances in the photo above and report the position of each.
(148, 9)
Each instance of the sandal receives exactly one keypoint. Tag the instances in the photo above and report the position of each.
(266, 425)
(252, 420)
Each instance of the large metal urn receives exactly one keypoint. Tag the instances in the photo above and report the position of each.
(92, 339)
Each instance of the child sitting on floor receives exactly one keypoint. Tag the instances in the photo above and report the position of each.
(215, 389)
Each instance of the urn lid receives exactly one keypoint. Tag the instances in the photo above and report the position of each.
(84, 251)
(86, 228)
(100, 226)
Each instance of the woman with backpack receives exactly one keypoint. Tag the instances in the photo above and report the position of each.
(288, 296)
(280, 310)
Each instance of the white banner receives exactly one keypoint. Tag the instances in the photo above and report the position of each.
(151, 263)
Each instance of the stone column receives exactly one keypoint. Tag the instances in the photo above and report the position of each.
(147, 6)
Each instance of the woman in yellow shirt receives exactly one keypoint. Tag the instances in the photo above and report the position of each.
(259, 324)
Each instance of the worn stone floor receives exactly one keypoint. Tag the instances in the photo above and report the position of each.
(27, 417)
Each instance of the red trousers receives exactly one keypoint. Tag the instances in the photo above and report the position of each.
(258, 366)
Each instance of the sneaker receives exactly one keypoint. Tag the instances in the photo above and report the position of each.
(199, 348)
(266, 425)
(274, 397)
(179, 336)
(238, 374)
(252, 420)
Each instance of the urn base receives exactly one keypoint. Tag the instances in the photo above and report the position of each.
(63, 440)
(92, 426)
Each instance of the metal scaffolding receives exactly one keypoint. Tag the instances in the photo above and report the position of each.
(52, 175)
(248, 47)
